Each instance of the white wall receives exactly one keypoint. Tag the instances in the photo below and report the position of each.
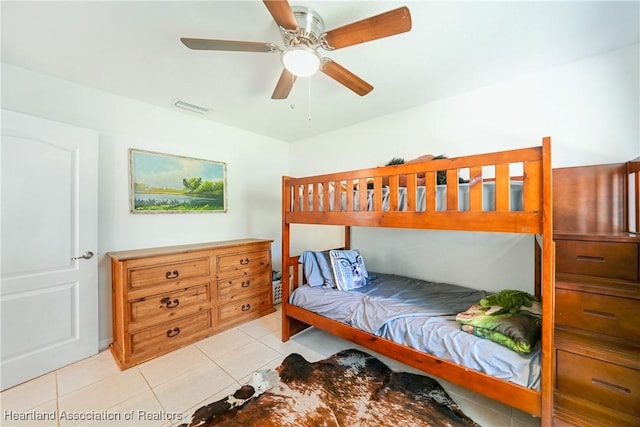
(253, 187)
(590, 108)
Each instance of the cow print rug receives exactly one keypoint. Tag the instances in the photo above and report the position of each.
(350, 388)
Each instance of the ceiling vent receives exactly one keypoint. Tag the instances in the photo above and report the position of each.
(193, 108)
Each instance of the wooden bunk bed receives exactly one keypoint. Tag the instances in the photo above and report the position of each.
(305, 202)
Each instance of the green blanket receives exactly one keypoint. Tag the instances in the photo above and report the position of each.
(517, 329)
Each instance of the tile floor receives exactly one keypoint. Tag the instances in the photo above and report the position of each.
(167, 390)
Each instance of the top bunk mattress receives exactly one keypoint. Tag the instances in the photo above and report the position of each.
(421, 315)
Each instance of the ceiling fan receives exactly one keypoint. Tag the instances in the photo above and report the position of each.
(303, 34)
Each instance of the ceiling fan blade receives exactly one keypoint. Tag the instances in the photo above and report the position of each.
(345, 77)
(376, 27)
(284, 85)
(230, 45)
(282, 13)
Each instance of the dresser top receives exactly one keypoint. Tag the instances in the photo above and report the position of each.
(164, 250)
(620, 236)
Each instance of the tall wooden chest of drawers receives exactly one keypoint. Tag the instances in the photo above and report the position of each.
(597, 334)
(167, 297)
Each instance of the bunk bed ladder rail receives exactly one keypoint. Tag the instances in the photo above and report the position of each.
(633, 196)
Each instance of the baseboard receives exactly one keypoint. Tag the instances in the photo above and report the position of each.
(104, 344)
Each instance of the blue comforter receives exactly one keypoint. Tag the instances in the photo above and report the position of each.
(421, 314)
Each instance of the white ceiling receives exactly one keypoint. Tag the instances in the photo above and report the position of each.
(133, 49)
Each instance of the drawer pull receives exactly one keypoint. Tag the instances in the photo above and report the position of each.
(173, 332)
(610, 386)
(246, 284)
(172, 274)
(599, 313)
(246, 307)
(170, 304)
(590, 258)
(244, 261)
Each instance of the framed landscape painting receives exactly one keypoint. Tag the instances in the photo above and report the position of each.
(166, 183)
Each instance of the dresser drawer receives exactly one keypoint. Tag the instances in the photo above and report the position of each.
(243, 263)
(237, 287)
(166, 306)
(604, 259)
(597, 313)
(607, 384)
(170, 272)
(170, 334)
(237, 310)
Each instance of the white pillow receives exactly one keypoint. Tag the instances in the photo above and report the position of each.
(349, 269)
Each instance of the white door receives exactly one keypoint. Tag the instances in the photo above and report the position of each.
(48, 299)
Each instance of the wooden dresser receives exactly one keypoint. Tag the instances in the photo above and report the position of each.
(597, 299)
(167, 297)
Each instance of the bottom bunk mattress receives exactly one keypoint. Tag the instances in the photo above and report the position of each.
(421, 315)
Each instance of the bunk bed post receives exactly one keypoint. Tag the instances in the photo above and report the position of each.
(632, 208)
(537, 282)
(290, 325)
(286, 242)
(548, 285)
(347, 237)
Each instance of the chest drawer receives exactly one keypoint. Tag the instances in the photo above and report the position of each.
(597, 313)
(244, 307)
(236, 287)
(165, 273)
(607, 384)
(604, 259)
(243, 263)
(170, 334)
(169, 305)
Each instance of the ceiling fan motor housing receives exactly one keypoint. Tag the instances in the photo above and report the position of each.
(310, 28)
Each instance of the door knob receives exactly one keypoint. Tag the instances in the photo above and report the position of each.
(86, 255)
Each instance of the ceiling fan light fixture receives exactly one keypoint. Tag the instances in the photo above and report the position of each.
(301, 60)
